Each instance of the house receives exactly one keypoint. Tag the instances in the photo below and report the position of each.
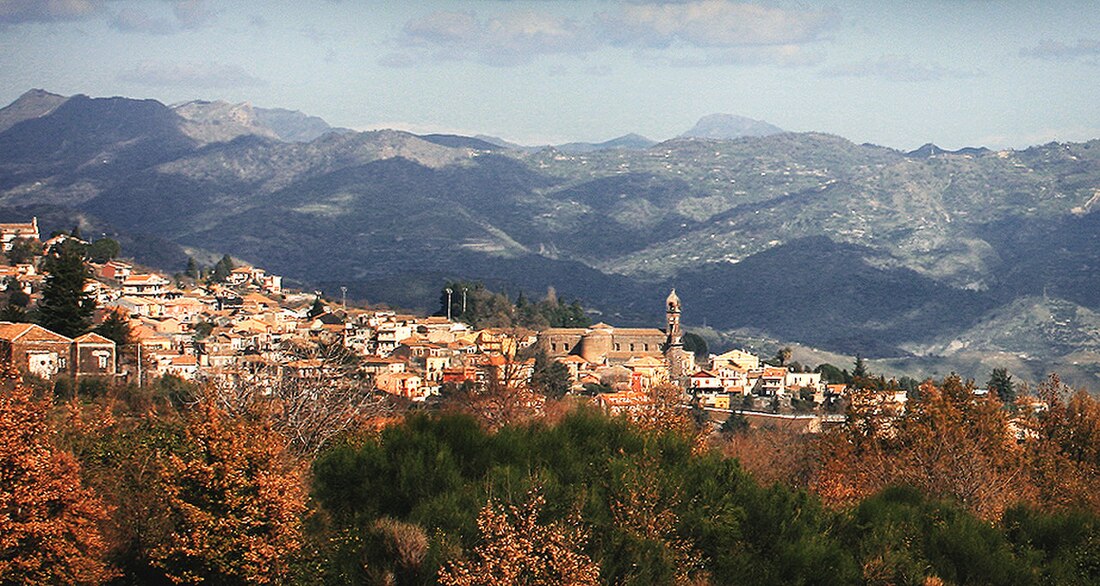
(9, 233)
(736, 359)
(402, 384)
(646, 371)
(34, 349)
(185, 366)
(771, 381)
(704, 382)
(623, 401)
(115, 270)
(93, 355)
(145, 285)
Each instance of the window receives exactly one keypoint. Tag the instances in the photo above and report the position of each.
(632, 347)
(645, 347)
(618, 347)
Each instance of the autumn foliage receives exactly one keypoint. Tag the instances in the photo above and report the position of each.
(517, 548)
(49, 522)
(234, 501)
(952, 443)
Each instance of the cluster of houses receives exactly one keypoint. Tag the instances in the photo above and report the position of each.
(249, 326)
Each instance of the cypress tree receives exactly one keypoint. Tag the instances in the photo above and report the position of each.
(65, 307)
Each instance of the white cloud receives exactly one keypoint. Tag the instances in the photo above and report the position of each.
(711, 23)
(185, 14)
(897, 68)
(730, 33)
(24, 11)
(508, 39)
(209, 75)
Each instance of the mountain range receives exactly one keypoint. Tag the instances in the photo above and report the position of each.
(915, 259)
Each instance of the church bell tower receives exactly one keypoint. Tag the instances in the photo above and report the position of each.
(675, 336)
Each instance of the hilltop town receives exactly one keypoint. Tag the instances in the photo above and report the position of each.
(242, 327)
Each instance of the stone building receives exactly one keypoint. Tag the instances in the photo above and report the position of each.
(33, 348)
(606, 345)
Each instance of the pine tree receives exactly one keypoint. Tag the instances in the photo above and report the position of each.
(1000, 383)
(860, 370)
(65, 307)
(192, 268)
(222, 269)
(116, 327)
(317, 309)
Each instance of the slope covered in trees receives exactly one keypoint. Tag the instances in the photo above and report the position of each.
(158, 485)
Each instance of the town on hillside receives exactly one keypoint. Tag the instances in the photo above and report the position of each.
(236, 325)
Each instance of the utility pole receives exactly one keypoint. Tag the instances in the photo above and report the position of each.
(344, 297)
(463, 301)
(139, 364)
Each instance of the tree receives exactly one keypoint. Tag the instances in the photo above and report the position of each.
(65, 307)
(832, 375)
(234, 502)
(783, 356)
(222, 269)
(192, 268)
(1000, 384)
(550, 377)
(695, 344)
(518, 549)
(116, 328)
(23, 250)
(48, 521)
(16, 308)
(948, 443)
(860, 369)
(103, 250)
(318, 308)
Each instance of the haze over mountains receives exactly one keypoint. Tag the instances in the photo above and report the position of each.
(934, 260)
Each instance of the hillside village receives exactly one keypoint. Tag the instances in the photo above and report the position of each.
(249, 328)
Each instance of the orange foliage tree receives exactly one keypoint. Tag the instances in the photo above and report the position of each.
(1063, 442)
(519, 550)
(235, 501)
(949, 443)
(49, 523)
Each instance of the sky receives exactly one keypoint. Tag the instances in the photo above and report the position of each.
(1001, 74)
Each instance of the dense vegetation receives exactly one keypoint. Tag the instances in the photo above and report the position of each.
(163, 485)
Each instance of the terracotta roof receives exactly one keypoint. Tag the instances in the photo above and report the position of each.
(144, 279)
(29, 333)
(93, 338)
(185, 360)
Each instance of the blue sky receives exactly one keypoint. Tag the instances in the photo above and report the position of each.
(954, 72)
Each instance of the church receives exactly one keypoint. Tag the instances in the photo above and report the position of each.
(607, 345)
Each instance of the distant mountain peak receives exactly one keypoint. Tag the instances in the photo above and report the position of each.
(34, 103)
(930, 150)
(630, 141)
(730, 126)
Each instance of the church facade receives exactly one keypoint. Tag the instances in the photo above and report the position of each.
(607, 345)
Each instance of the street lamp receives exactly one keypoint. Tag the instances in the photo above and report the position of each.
(449, 291)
